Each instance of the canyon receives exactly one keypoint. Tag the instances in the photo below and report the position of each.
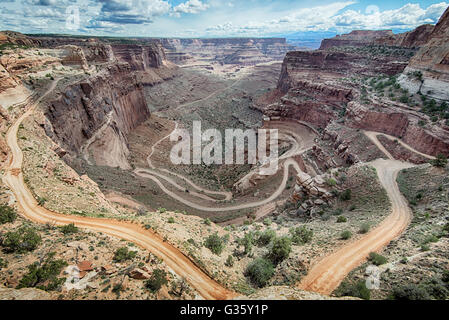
(86, 125)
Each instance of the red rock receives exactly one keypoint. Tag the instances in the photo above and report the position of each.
(85, 266)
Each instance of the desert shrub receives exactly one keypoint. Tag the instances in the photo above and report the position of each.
(267, 222)
(280, 249)
(409, 291)
(229, 261)
(446, 227)
(266, 237)
(341, 219)
(215, 244)
(7, 214)
(301, 235)
(157, 280)
(331, 182)
(23, 240)
(345, 235)
(364, 228)
(141, 211)
(346, 195)
(171, 220)
(440, 161)
(3, 263)
(357, 290)
(207, 222)
(69, 229)
(45, 276)
(247, 242)
(123, 254)
(436, 288)
(377, 259)
(162, 210)
(260, 272)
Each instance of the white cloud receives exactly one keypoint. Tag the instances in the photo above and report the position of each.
(191, 6)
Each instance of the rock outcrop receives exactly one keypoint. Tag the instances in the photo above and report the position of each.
(432, 61)
(359, 38)
(97, 114)
(321, 87)
(412, 39)
(356, 38)
(240, 51)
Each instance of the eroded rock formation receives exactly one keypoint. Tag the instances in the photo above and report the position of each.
(432, 63)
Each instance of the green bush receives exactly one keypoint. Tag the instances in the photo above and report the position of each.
(345, 235)
(267, 222)
(45, 276)
(440, 161)
(123, 254)
(260, 271)
(341, 219)
(301, 235)
(377, 259)
(3, 263)
(69, 229)
(207, 222)
(280, 249)
(364, 228)
(409, 291)
(357, 290)
(23, 240)
(171, 220)
(346, 195)
(7, 214)
(229, 261)
(215, 244)
(157, 280)
(247, 242)
(266, 237)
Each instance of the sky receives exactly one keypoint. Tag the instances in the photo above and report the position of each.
(213, 18)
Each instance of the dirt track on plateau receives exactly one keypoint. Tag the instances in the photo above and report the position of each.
(327, 274)
(177, 261)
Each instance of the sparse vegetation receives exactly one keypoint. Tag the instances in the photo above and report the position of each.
(69, 229)
(44, 276)
(124, 254)
(24, 239)
(440, 161)
(260, 271)
(215, 244)
(358, 290)
(346, 235)
(301, 235)
(7, 214)
(377, 259)
(157, 280)
(280, 249)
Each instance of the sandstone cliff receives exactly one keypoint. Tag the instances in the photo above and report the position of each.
(97, 114)
(358, 38)
(432, 61)
(242, 51)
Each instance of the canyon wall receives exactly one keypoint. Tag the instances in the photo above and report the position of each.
(299, 65)
(98, 113)
(432, 61)
(321, 86)
(355, 38)
(243, 51)
(359, 38)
